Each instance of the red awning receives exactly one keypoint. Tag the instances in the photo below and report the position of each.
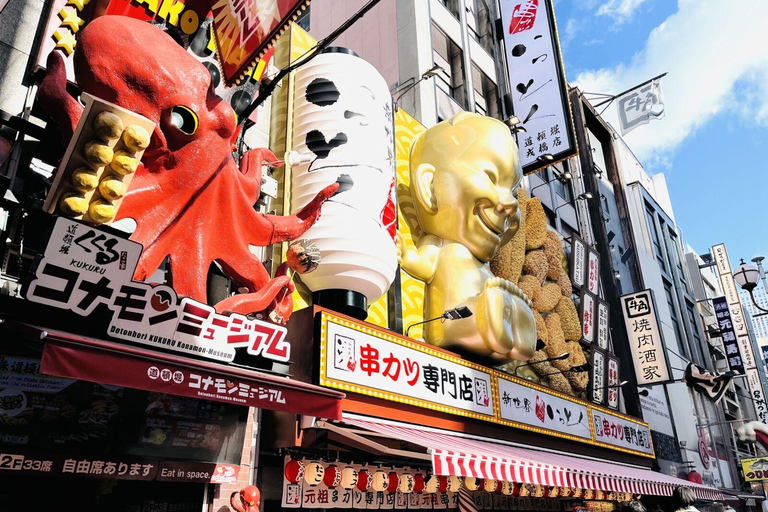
(77, 357)
(456, 454)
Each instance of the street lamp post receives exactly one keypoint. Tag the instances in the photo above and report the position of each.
(747, 276)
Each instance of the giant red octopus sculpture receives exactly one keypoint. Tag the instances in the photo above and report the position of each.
(190, 199)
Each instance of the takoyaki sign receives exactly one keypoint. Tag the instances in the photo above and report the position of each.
(84, 267)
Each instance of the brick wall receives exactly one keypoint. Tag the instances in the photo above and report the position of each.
(223, 492)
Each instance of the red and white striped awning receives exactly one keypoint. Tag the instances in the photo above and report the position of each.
(455, 454)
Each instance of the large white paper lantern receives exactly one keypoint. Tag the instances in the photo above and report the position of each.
(343, 125)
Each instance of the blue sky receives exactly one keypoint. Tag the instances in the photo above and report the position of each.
(710, 143)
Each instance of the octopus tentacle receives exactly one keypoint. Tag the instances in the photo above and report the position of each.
(55, 99)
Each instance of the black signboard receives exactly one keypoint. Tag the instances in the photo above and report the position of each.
(728, 334)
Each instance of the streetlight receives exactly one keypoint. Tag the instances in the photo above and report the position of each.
(449, 314)
(582, 197)
(747, 276)
(433, 71)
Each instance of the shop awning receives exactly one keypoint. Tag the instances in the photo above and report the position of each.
(77, 357)
(456, 454)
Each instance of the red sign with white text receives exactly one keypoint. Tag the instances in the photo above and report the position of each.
(104, 366)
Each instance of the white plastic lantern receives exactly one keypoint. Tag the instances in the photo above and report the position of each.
(348, 478)
(314, 473)
(489, 485)
(343, 125)
(507, 488)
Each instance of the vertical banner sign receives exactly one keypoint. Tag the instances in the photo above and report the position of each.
(603, 312)
(648, 352)
(578, 262)
(728, 335)
(597, 385)
(539, 92)
(593, 277)
(587, 313)
(739, 326)
(612, 372)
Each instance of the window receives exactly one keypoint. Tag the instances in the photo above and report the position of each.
(448, 55)
(651, 219)
(486, 94)
(674, 258)
(669, 293)
(303, 19)
(479, 23)
(452, 6)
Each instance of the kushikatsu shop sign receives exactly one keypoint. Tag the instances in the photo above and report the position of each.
(84, 267)
(361, 358)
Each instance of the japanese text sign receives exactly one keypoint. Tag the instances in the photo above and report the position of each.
(84, 266)
(402, 369)
(539, 92)
(585, 266)
(727, 334)
(648, 350)
(738, 327)
(603, 318)
(755, 469)
(640, 105)
(361, 358)
(615, 430)
(597, 380)
(587, 312)
(758, 395)
(112, 368)
(530, 406)
(612, 371)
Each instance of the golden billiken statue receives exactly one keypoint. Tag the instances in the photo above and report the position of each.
(464, 174)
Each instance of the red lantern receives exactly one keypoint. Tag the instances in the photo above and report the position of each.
(516, 489)
(418, 483)
(393, 481)
(294, 471)
(364, 480)
(332, 476)
(442, 484)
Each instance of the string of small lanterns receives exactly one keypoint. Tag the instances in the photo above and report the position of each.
(407, 481)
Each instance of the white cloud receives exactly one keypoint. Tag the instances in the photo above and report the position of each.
(716, 55)
(620, 10)
(571, 29)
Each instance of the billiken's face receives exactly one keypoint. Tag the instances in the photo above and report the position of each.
(467, 181)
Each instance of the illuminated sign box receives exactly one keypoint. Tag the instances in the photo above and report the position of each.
(357, 357)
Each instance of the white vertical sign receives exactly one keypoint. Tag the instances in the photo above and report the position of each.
(537, 82)
(720, 255)
(642, 324)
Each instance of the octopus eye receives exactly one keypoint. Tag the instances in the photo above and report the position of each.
(184, 119)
